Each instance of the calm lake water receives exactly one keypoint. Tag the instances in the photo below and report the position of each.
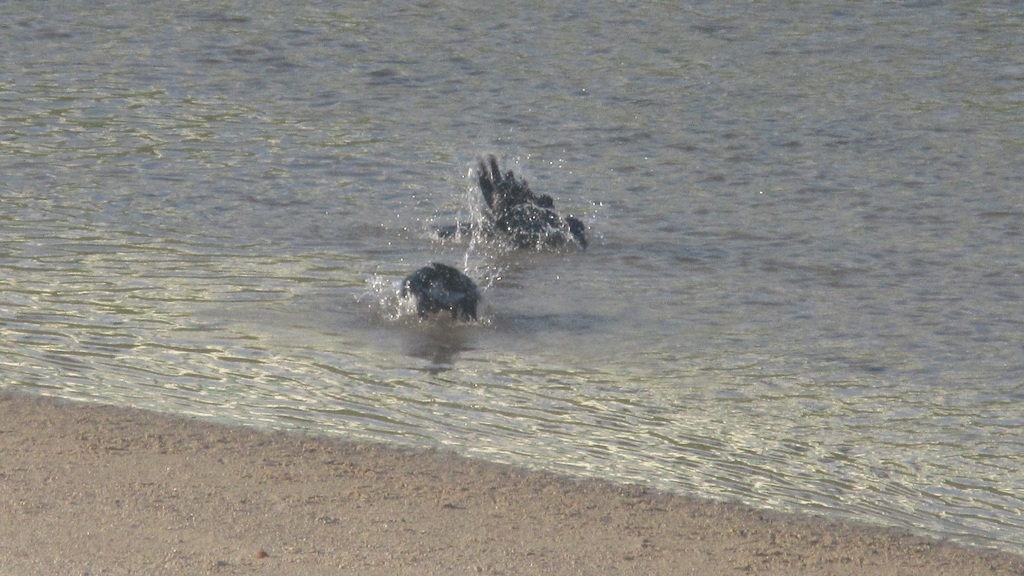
(804, 290)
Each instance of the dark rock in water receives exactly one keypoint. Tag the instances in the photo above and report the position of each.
(518, 214)
(440, 287)
(524, 217)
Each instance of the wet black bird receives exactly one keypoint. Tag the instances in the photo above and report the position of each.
(526, 218)
(440, 287)
(517, 213)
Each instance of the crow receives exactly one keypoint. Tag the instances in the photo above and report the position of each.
(440, 287)
(518, 214)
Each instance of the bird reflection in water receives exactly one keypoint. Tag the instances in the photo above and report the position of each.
(440, 343)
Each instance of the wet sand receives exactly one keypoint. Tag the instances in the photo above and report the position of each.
(88, 489)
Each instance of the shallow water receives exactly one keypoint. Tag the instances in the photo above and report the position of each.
(803, 289)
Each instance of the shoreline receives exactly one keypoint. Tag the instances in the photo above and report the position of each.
(91, 489)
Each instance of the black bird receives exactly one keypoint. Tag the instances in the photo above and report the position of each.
(526, 218)
(440, 287)
(515, 212)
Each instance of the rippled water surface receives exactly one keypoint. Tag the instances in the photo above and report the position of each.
(803, 291)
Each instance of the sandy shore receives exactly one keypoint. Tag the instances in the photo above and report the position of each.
(96, 490)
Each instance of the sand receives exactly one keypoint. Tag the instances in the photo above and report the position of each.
(88, 489)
